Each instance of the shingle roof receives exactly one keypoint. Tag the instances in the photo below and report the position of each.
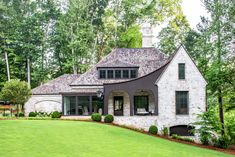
(57, 85)
(147, 59)
(117, 63)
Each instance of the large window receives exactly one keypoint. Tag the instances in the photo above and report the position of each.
(141, 105)
(181, 102)
(82, 105)
(97, 105)
(69, 105)
(181, 70)
(102, 74)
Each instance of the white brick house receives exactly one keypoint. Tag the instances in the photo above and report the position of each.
(140, 87)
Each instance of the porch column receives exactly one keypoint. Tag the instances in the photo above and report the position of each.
(131, 96)
(90, 104)
(106, 99)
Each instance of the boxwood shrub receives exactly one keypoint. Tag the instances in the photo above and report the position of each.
(96, 117)
(32, 114)
(108, 118)
(56, 114)
(153, 129)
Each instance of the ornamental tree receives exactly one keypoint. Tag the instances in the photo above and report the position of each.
(16, 92)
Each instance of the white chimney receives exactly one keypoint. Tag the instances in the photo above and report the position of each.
(147, 35)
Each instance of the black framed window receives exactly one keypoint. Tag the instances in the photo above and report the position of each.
(102, 74)
(133, 73)
(118, 74)
(83, 105)
(181, 102)
(141, 104)
(181, 70)
(125, 73)
(110, 74)
(70, 105)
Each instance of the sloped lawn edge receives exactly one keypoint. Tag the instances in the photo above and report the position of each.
(227, 151)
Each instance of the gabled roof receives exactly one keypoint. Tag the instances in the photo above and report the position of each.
(55, 86)
(147, 59)
(117, 64)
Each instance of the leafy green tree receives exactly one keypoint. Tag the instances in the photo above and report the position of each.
(16, 92)
(174, 34)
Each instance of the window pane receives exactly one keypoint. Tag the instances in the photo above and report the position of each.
(83, 105)
(69, 105)
(181, 71)
(102, 73)
(110, 73)
(117, 73)
(97, 105)
(133, 73)
(141, 104)
(125, 73)
(182, 102)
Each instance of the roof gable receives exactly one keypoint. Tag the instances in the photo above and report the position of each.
(147, 59)
(180, 49)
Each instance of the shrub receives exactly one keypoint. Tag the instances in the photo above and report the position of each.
(21, 114)
(108, 118)
(205, 138)
(96, 117)
(153, 129)
(222, 142)
(32, 114)
(165, 131)
(56, 114)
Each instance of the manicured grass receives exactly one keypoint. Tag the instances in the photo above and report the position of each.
(48, 138)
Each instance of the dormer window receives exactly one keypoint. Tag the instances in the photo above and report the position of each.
(102, 74)
(125, 74)
(133, 73)
(110, 74)
(118, 73)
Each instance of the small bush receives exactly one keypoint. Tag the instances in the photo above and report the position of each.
(32, 114)
(222, 142)
(205, 138)
(153, 129)
(96, 117)
(108, 118)
(56, 114)
(165, 131)
(174, 136)
(21, 114)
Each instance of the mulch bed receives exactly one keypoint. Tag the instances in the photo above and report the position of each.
(230, 150)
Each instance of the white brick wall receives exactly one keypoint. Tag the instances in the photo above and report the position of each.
(169, 83)
(43, 103)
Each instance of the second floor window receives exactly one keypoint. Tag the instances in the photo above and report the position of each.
(125, 73)
(102, 74)
(181, 71)
(110, 74)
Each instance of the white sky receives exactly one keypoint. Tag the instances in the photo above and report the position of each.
(193, 10)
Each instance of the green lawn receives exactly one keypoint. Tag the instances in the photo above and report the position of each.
(45, 138)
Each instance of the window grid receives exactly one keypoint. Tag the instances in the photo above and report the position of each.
(181, 102)
(181, 70)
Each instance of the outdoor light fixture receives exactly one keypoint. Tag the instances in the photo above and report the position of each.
(100, 94)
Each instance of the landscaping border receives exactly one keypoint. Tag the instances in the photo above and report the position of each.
(227, 151)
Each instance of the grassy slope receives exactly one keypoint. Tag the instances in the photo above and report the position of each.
(83, 139)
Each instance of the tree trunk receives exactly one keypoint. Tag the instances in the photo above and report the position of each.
(28, 72)
(8, 69)
(221, 112)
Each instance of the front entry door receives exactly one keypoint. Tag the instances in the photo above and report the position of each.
(118, 105)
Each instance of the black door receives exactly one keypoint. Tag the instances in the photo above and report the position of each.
(118, 105)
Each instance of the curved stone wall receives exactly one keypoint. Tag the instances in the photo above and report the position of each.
(43, 103)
